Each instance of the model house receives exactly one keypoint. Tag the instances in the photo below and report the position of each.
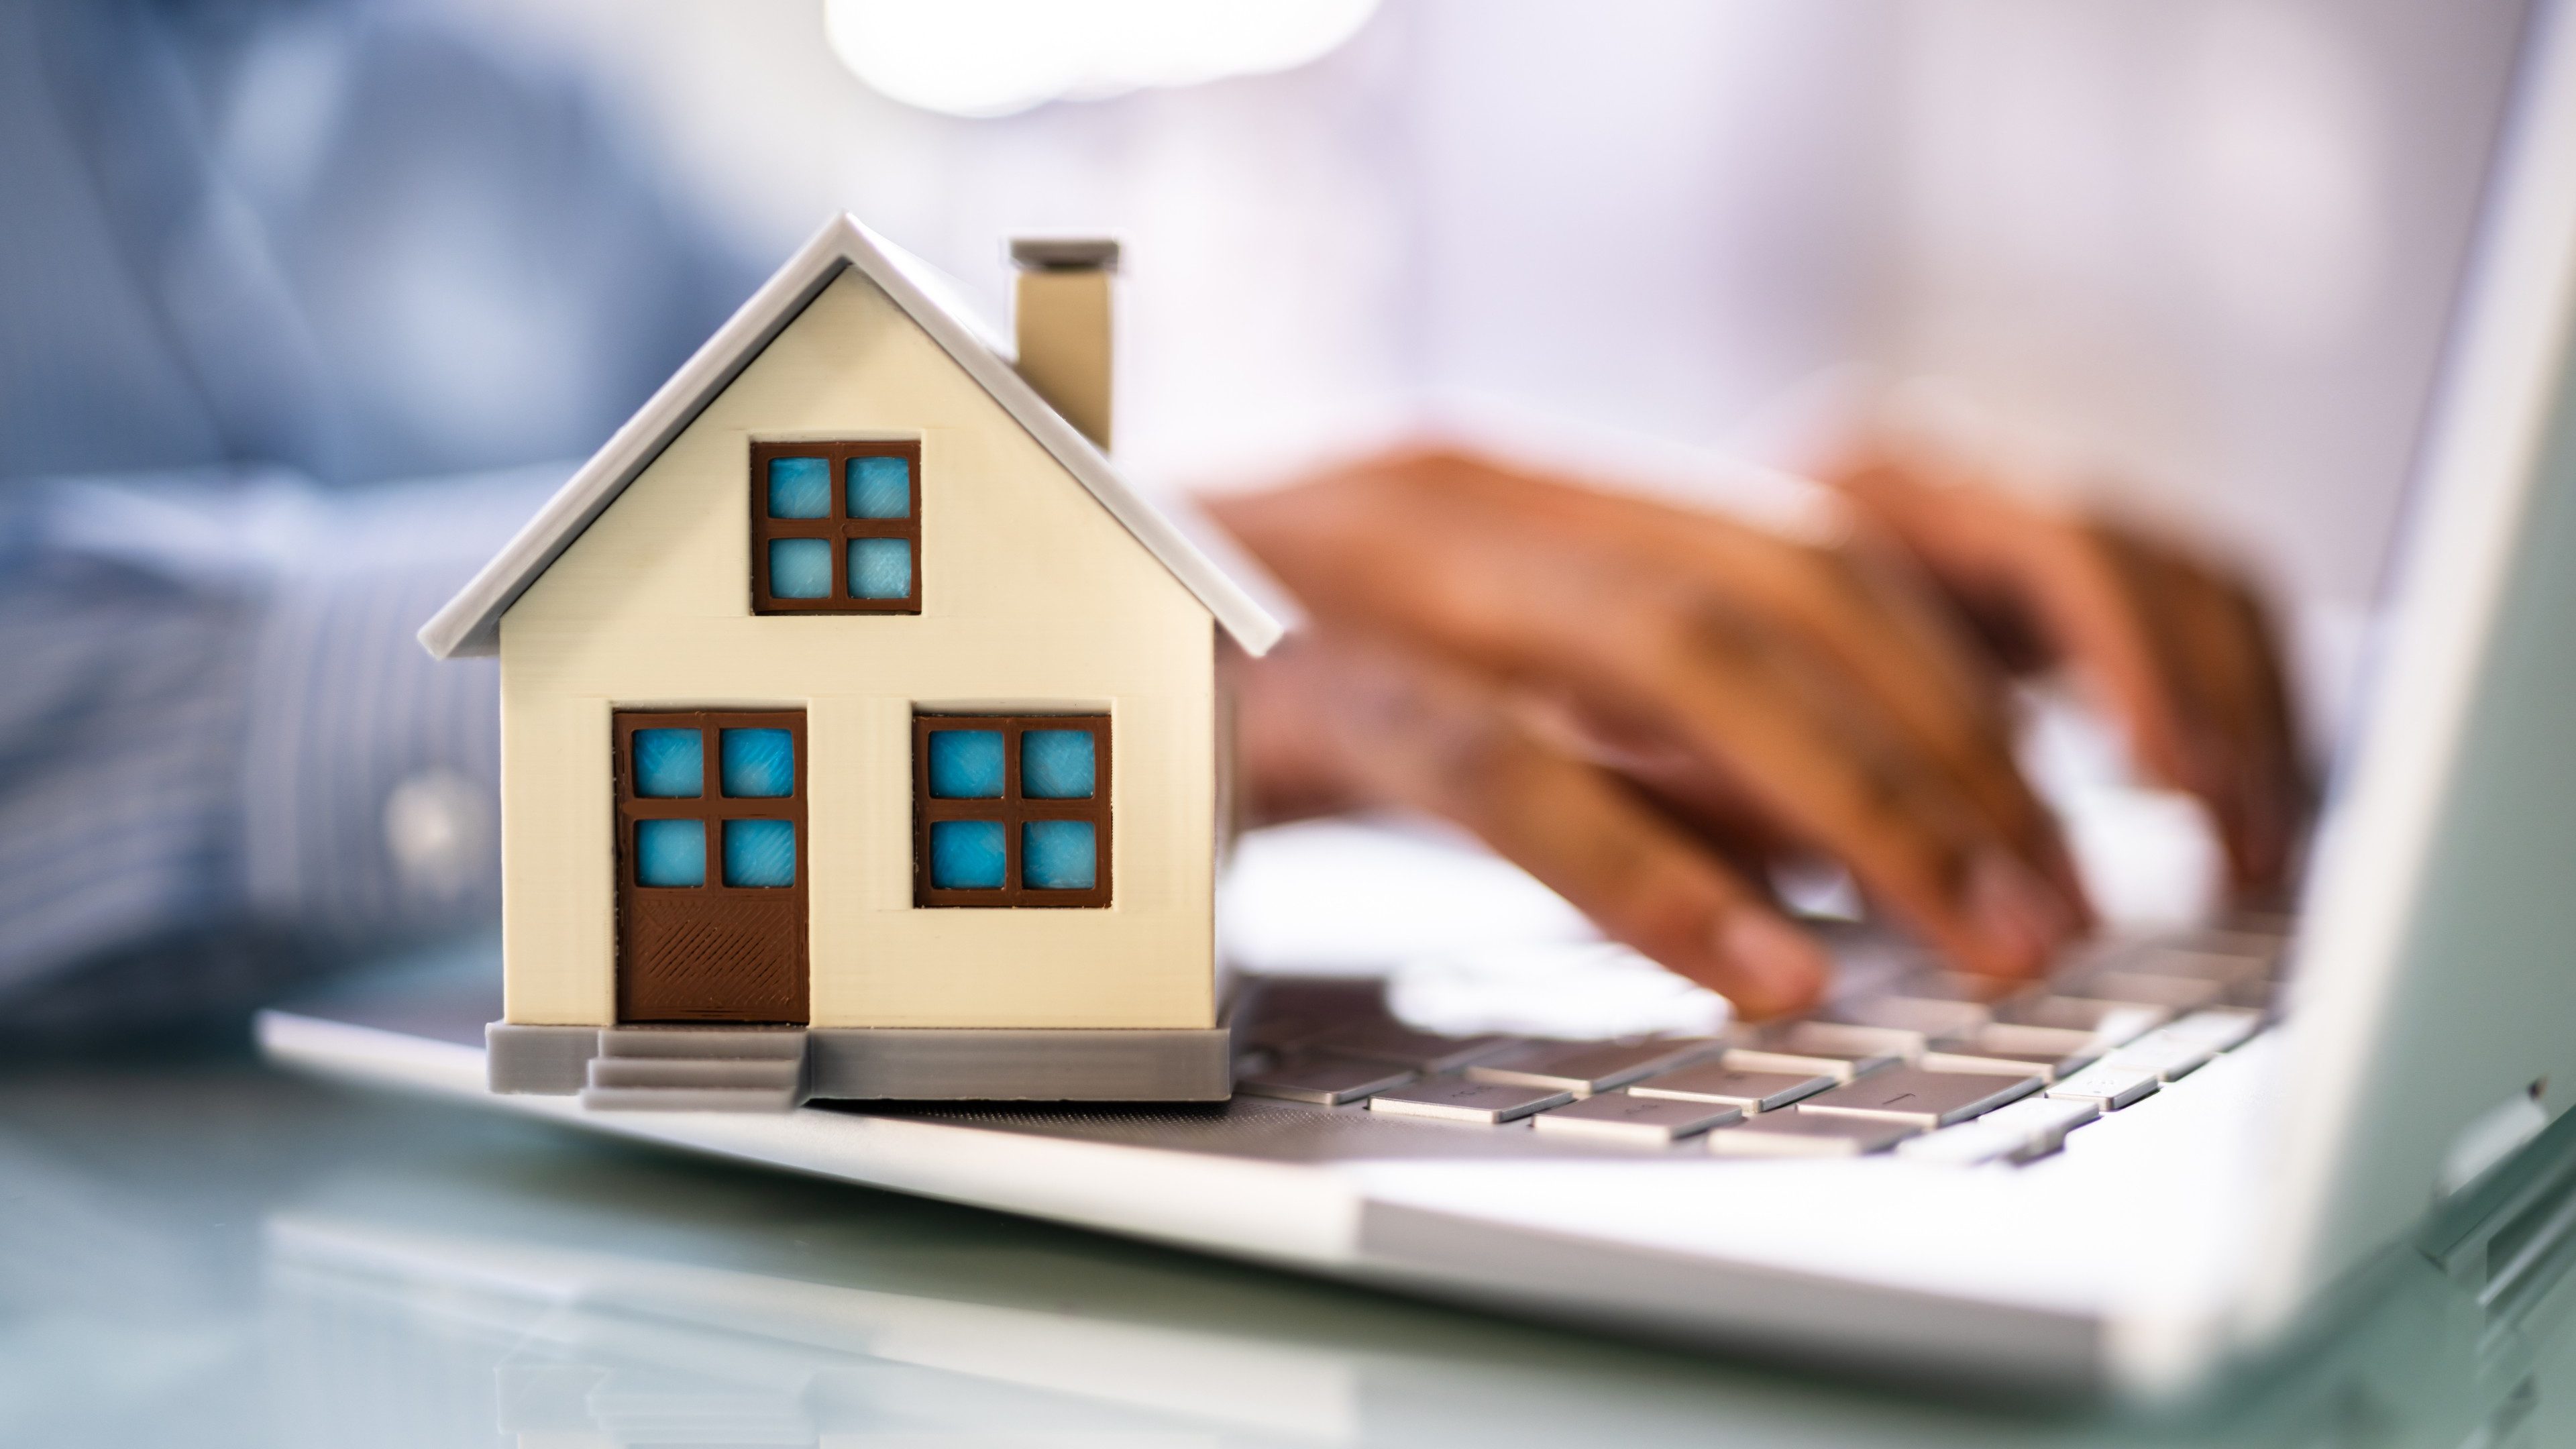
(860, 724)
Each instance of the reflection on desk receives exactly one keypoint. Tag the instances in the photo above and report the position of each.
(205, 1254)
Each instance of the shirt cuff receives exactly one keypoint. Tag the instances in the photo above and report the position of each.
(370, 772)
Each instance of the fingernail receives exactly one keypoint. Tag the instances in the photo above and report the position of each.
(1776, 966)
(2014, 913)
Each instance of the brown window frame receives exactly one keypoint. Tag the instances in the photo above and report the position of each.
(838, 527)
(1012, 810)
(714, 807)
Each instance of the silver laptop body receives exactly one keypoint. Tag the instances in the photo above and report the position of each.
(2401, 1104)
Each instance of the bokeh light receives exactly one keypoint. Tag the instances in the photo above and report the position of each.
(995, 57)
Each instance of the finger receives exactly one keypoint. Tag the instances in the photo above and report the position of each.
(1548, 606)
(2183, 656)
(2190, 676)
(2040, 585)
(1929, 677)
(1395, 729)
(2284, 794)
(1973, 538)
(2217, 646)
(1698, 792)
(1901, 656)
(1756, 707)
(1712, 807)
(2084, 591)
(1840, 782)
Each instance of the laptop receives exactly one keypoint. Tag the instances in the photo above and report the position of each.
(2165, 1160)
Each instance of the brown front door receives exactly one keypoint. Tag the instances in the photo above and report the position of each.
(710, 866)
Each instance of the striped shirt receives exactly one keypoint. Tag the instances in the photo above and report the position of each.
(292, 298)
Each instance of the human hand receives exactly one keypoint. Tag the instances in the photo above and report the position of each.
(1644, 706)
(2176, 645)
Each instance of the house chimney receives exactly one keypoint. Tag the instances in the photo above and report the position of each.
(1061, 309)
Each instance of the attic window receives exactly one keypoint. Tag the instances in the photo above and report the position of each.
(836, 528)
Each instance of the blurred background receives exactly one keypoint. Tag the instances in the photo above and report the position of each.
(2198, 252)
(2190, 258)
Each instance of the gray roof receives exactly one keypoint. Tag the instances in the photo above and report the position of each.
(1249, 607)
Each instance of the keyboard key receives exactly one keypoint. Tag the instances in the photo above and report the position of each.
(1851, 1041)
(1330, 1000)
(1796, 1134)
(1975, 1058)
(1847, 1050)
(1804, 1063)
(2174, 993)
(2012, 1038)
(2014, 1132)
(2106, 1086)
(2224, 967)
(1455, 1099)
(1587, 1067)
(2113, 1021)
(1924, 1099)
(1939, 984)
(2169, 1057)
(1625, 1117)
(2047, 1119)
(1967, 1145)
(2254, 940)
(1839, 1067)
(2221, 1028)
(2041, 1122)
(1325, 1081)
(1280, 1033)
(1930, 1018)
(1282, 1013)
(1718, 1082)
(1385, 1041)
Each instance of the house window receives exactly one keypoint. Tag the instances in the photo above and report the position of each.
(836, 528)
(1010, 810)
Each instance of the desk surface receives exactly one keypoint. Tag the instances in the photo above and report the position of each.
(205, 1252)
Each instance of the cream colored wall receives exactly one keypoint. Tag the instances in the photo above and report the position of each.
(1033, 597)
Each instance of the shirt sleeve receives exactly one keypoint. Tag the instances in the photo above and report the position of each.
(224, 760)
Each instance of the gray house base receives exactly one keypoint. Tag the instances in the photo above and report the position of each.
(682, 1067)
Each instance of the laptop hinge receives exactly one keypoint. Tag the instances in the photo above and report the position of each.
(2509, 1236)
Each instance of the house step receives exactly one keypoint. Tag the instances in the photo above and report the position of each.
(706, 1043)
(696, 1069)
(689, 1099)
(766, 1072)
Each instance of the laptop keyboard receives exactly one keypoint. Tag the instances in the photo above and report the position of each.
(1922, 1063)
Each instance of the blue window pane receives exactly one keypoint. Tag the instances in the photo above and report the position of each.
(800, 488)
(966, 855)
(758, 764)
(1058, 855)
(1056, 765)
(760, 852)
(880, 568)
(800, 568)
(669, 764)
(880, 487)
(966, 764)
(671, 852)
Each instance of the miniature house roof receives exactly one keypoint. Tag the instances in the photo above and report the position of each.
(470, 623)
